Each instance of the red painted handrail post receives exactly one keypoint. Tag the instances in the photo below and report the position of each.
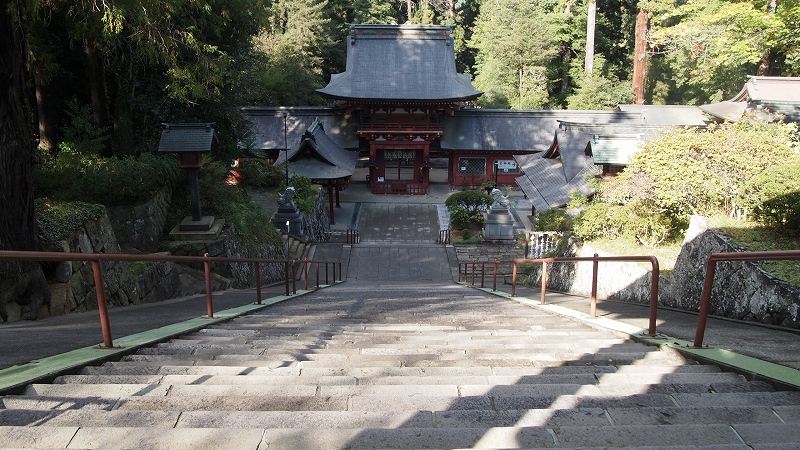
(593, 309)
(102, 306)
(473, 273)
(494, 281)
(258, 282)
(294, 278)
(317, 267)
(287, 275)
(483, 273)
(705, 299)
(326, 273)
(544, 281)
(653, 296)
(207, 270)
(514, 280)
(305, 274)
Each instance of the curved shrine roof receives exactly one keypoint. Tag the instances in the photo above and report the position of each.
(400, 62)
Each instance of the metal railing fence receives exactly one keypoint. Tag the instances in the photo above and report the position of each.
(96, 260)
(545, 261)
(708, 284)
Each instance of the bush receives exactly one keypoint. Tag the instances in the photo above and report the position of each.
(259, 173)
(552, 220)
(467, 208)
(773, 197)
(600, 220)
(108, 181)
(228, 202)
(305, 193)
(57, 220)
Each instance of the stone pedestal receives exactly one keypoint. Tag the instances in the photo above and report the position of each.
(498, 225)
(288, 213)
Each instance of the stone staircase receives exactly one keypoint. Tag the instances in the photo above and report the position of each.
(374, 365)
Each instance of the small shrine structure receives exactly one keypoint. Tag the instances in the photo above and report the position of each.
(319, 158)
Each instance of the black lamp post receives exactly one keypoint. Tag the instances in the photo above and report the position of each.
(286, 146)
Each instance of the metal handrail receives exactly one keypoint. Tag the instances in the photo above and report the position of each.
(594, 259)
(711, 267)
(97, 270)
(444, 236)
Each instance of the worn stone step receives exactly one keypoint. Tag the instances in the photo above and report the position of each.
(96, 390)
(645, 435)
(88, 418)
(693, 415)
(777, 398)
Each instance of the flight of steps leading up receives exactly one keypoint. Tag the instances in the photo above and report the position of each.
(401, 367)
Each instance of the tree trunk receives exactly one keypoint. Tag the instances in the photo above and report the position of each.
(640, 57)
(123, 113)
(590, 20)
(46, 112)
(410, 10)
(22, 283)
(97, 86)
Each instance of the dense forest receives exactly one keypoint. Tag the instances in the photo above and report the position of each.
(106, 74)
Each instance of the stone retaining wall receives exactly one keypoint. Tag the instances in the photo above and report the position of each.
(741, 290)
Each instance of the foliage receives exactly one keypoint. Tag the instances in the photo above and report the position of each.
(728, 169)
(57, 219)
(514, 40)
(773, 196)
(81, 136)
(108, 181)
(467, 207)
(600, 91)
(701, 171)
(705, 50)
(472, 201)
(260, 173)
(228, 202)
(600, 220)
(305, 193)
(552, 220)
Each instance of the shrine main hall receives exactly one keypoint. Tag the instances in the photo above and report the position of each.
(402, 110)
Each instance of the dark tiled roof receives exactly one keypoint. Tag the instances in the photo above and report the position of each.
(770, 89)
(546, 184)
(400, 62)
(316, 156)
(513, 130)
(764, 95)
(186, 137)
(267, 130)
(672, 115)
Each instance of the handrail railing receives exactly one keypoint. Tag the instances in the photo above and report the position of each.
(594, 259)
(444, 237)
(711, 267)
(97, 270)
(304, 270)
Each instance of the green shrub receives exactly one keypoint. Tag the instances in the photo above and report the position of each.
(259, 173)
(305, 193)
(471, 200)
(600, 220)
(467, 208)
(57, 220)
(225, 201)
(773, 197)
(108, 181)
(552, 220)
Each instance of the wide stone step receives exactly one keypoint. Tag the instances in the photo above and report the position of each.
(690, 436)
